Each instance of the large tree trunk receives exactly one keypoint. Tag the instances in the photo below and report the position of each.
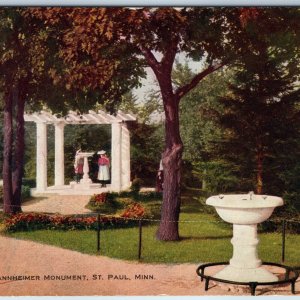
(172, 156)
(172, 160)
(7, 153)
(19, 149)
(259, 175)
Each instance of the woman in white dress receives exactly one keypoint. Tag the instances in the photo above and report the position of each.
(104, 165)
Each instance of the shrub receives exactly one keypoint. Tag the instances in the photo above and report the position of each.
(136, 185)
(99, 198)
(25, 193)
(32, 221)
(103, 203)
(31, 182)
(124, 194)
(134, 210)
(146, 196)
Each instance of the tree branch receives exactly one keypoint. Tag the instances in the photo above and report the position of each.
(183, 90)
(153, 63)
(169, 56)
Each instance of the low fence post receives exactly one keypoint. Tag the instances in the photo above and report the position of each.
(98, 233)
(140, 239)
(283, 241)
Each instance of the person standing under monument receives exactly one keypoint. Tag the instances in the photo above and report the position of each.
(104, 165)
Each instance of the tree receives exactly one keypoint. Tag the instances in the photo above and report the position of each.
(29, 60)
(201, 133)
(153, 37)
(16, 75)
(259, 111)
(23, 62)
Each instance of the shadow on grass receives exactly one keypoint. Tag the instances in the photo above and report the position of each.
(201, 238)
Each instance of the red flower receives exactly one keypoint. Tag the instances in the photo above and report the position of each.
(134, 210)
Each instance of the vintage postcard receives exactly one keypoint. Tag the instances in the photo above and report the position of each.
(149, 151)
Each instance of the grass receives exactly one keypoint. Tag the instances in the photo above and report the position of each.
(207, 240)
(200, 242)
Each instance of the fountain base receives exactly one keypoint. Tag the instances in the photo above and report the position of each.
(246, 275)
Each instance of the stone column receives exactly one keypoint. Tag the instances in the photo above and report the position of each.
(41, 156)
(116, 136)
(125, 146)
(85, 178)
(59, 178)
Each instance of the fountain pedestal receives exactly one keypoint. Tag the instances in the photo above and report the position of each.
(245, 266)
(245, 211)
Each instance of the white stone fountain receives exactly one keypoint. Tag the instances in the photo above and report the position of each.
(245, 211)
(85, 182)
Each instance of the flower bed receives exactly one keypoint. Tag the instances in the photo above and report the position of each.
(33, 221)
(99, 198)
(104, 203)
(134, 210)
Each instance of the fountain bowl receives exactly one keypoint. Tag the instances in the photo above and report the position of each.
(244, 209)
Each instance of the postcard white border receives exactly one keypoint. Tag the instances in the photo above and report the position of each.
(131, 3)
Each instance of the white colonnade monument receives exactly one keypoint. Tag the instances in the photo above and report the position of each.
(120, 151)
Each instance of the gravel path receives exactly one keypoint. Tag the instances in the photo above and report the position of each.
(64, 205)
(20, 258)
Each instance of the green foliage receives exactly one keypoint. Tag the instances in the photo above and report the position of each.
(105, 203)
(218, 176)
(291, 179)
(25, 193)
(91, 70)
(31, 182)
(149, 196)
(136, 185)
(201, 134)
(119, 203)
(257, 118)
(146, 149)
(143, 110)
(199, 112)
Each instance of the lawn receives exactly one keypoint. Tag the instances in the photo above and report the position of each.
(204, 238)
(208, 241)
